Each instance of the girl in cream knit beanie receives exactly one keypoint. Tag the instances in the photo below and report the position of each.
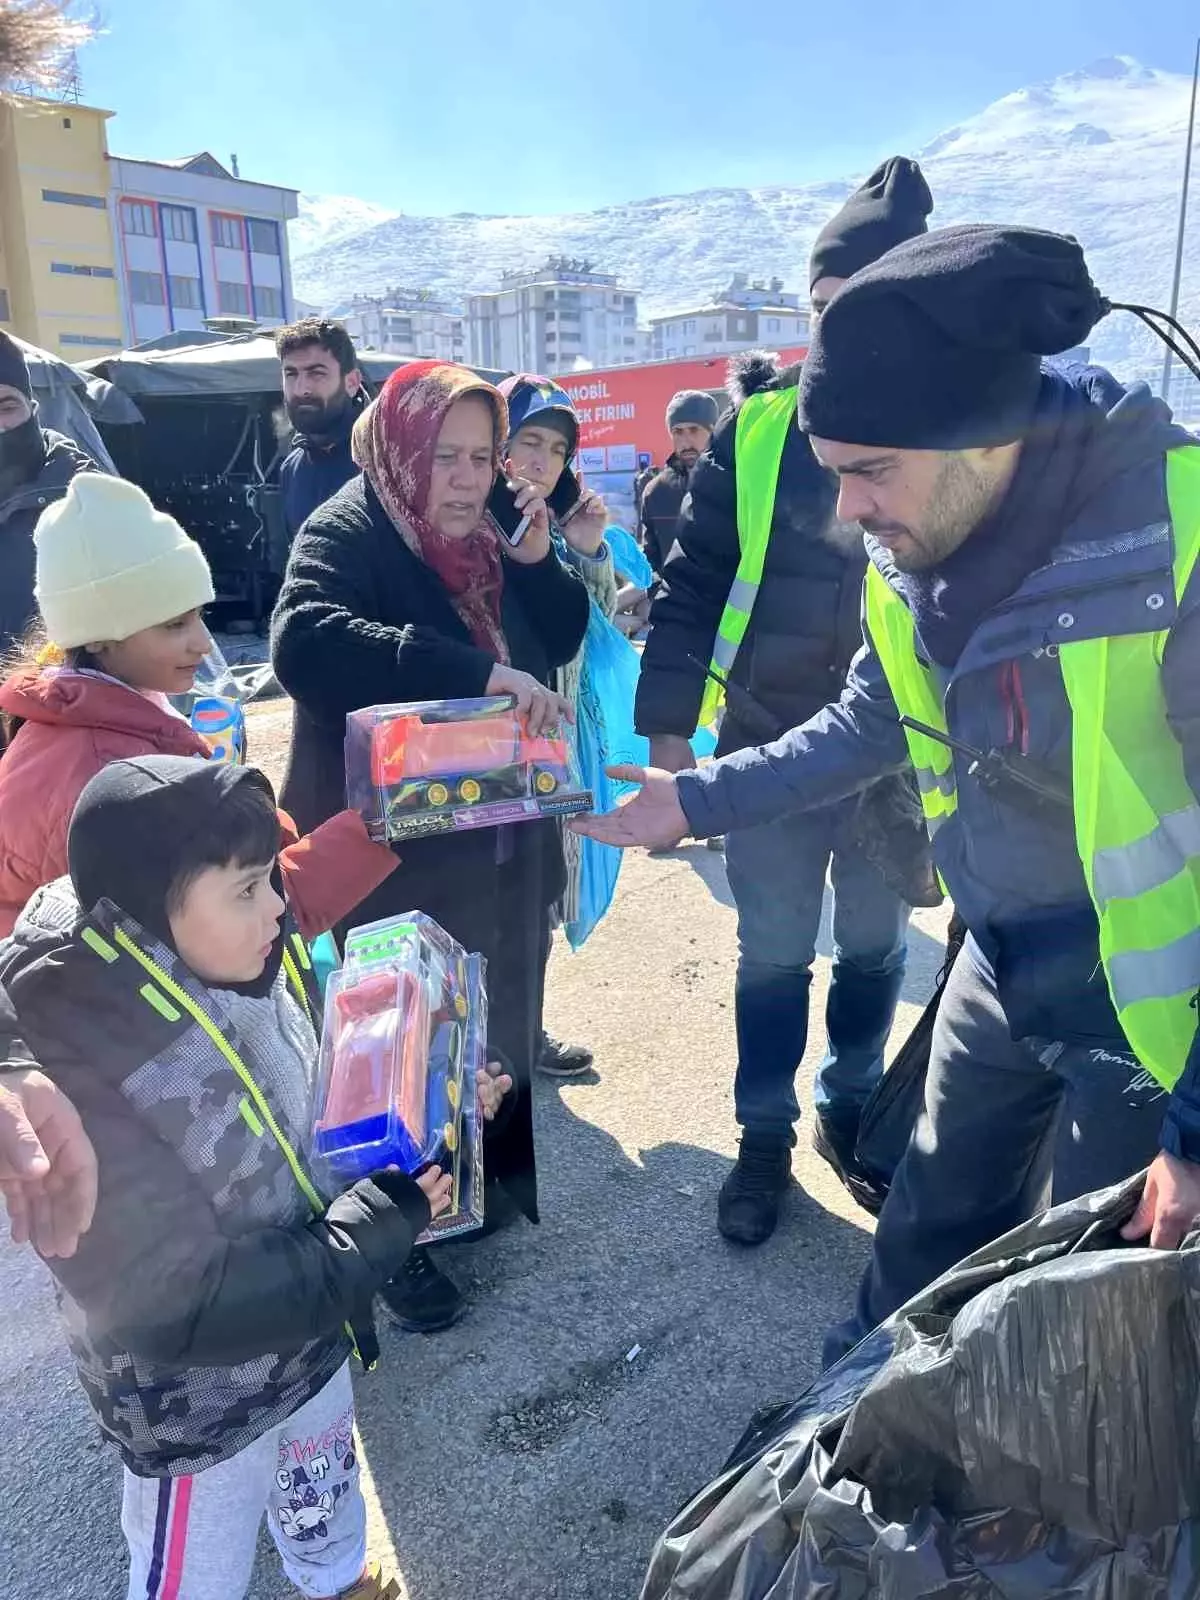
(120, 587)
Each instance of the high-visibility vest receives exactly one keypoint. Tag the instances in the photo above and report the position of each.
(1137, 821)
(762, 430)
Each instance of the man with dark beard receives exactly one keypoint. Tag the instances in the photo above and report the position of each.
(323, 392)
(764, 582)
(36, 466)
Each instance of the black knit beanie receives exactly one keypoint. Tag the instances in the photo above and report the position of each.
(891, 206)
(938, 345)
(14, 374)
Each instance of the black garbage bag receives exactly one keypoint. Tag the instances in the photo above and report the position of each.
(891, 1112)
(1026, 1427)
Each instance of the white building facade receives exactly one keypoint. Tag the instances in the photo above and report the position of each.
(555, 319)
(194, 241)
(744, 316)
(407, 323)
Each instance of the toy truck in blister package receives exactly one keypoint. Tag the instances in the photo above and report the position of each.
(437, 766)
(404, 1037)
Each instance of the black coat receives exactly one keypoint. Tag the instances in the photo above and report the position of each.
(805, 626)
(661, 500)
(19, 513)
(311, 474)
(361, 621)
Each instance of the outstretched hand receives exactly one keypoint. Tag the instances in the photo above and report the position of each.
(653, 817)
(1170, 1203)
(491, 1085)
(48, 1173)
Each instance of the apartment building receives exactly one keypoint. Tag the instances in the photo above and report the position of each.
(554, 319)
(58, 272)
(742, 316)
(194, 240)
(404, 322)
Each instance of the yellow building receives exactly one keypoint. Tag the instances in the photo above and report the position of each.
(58, 279)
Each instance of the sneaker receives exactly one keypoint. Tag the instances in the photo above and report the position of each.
(559, 1060)
(375, 1584)
(420, 1298)
(836, 1144)
(748, 1204)
(716, 843)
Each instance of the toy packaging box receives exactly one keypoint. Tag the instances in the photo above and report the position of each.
(403, 1040)
(438, 766)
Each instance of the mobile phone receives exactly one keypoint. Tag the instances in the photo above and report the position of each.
(509, 522)
(566, 499)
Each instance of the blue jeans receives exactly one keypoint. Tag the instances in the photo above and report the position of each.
(777, 875)
(1008, 1128)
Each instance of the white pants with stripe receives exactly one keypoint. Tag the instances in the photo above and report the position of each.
(195, 1538)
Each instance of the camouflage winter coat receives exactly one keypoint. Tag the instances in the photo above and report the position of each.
(208, 1300)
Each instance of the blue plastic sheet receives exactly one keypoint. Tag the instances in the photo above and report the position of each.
(605, 736)
(628, 557)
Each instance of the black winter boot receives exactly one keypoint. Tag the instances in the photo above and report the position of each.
(421, 1298)
(748, 1204)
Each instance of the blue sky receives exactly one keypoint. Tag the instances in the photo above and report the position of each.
(523, 105)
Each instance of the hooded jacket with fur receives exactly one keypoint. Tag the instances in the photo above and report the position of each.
(805, 627)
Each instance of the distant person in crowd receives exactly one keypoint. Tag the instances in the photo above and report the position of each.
(691, 418)
(324, 395)
(36, 466)
(542, 442)
(399, 589)
(766, 584)
(213, 1304)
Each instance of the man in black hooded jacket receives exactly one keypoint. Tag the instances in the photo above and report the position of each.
(803, 630)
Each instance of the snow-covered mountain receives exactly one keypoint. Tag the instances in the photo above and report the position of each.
(326, 218)
(1097, 153)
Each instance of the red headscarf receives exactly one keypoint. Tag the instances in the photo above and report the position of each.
(394, 443)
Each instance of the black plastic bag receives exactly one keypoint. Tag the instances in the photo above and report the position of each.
(891, 1113)
(1026, 1427)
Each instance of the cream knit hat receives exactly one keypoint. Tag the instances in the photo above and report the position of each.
(109, 564)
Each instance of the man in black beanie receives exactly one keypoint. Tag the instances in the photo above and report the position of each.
(765, 583)
(36, 465)
(1034, 534)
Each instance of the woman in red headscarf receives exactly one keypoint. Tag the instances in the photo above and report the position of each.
(398, 589)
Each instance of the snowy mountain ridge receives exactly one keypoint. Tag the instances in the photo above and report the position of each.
(1096, 153)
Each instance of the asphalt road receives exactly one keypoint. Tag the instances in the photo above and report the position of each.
(530, 1452)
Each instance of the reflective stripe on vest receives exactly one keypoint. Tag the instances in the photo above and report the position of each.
(762, 430)
(1137, 822)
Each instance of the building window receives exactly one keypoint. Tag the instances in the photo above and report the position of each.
(179, 223)
(66, 122)
(551, 338)
(227, 231)
(264, 237)
(772, 324)
(89, 339)
(62, 197)
(146, 289)
(185, 294)
(5, 316)
(268, 302)
(630, 303)
(140, 218)
(233, 299)
(72, 269)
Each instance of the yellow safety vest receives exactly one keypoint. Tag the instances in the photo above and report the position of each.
(1137, 821)
(762, 430)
